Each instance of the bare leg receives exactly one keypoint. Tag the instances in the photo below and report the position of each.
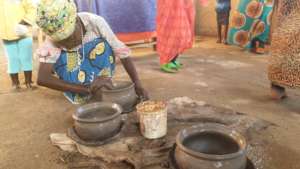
(277, 92)
(28, 79)
(219, 33)
(174, 59)
(226, 34)
(15, 81)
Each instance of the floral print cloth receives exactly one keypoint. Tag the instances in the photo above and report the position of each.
(57, 18)
(251, 20)
(94, 59)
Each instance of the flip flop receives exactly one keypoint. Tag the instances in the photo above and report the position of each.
(173, 65)
(178, 64)
(167, 68)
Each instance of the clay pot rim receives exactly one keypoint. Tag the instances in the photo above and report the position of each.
(213, 127)
(116, 107)
(130, 86)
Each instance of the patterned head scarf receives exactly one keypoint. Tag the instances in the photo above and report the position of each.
(57, 18)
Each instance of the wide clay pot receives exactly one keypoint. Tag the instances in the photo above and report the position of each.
(210, 146)
(97, 121)
(123, 93)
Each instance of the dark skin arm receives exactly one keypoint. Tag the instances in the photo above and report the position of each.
(130, 69)
(46, 78)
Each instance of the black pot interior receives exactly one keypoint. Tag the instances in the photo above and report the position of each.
(96, 113)
(212, 143)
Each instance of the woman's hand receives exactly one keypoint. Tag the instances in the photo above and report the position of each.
(21, 30)
(99, 83)
(141, 92)
(130, 68)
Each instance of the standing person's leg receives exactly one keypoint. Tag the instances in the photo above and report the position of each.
(219, 26)
(226, 28)
(277, 92)
(177, 63)
(13, 62)
(170, 67)
(226, 34)
(25, 48)
(219, 33)
(254, 45)
(260, 49)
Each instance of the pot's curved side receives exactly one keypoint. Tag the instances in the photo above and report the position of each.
(126, 97)
(186, 161)
(97, 128)
(98, 131)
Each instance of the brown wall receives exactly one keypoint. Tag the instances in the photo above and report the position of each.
(206, 18)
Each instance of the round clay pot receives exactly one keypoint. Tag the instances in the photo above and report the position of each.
(210, 146)
(97, 121)
(123, 93)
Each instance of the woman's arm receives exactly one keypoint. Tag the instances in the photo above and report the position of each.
(120, 51)
(130, 69)
(46, 78)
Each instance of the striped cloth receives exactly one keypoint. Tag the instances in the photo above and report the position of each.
(175, 28)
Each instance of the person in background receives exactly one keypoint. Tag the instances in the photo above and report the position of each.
(251, 23)
(284, 61)
(223, 8)
(81, 50)
(175, 31)
(16, 17)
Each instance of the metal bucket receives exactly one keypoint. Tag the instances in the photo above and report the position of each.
(152, 116)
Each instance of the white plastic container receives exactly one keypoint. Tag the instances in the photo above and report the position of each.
(152, 116)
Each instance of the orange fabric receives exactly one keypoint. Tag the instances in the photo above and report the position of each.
(175, 28)
(129, 37)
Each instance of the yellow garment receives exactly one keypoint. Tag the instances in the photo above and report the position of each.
(11, 13)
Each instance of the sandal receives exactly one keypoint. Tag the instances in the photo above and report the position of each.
(178, 64)
(168, 68)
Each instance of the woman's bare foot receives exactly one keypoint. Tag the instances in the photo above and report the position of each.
(219, 41)
(225, 42)
(278, 92)
(30, 86)
(15, 88)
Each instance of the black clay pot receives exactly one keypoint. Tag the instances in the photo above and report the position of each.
(210, 146)
(123, 93)
(97, 121)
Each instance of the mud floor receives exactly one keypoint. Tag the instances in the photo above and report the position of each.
(219, 75)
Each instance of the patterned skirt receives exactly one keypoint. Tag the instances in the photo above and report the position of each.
(251, 20)
(284, 67)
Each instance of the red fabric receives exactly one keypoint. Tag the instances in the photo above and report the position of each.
(175, 28)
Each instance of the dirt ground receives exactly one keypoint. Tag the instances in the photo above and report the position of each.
(217, 74)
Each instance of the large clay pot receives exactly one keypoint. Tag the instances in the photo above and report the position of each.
(123, 93)
(210, 146)
(97, 121)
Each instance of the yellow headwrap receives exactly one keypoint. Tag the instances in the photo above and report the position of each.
(57, 18)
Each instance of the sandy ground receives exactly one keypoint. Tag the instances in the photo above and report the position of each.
(220, 75)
